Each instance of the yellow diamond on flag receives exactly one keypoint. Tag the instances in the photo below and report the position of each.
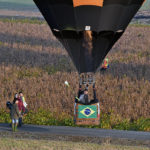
(87, 111)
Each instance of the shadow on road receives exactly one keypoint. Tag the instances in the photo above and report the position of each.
(24, 128)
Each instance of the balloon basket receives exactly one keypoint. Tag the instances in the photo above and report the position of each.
(87, 114)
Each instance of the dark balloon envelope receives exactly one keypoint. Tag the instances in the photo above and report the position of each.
(106, 20)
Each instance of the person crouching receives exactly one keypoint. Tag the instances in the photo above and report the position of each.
(14, 113)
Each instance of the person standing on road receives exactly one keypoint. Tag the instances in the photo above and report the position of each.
(14, 113)
(20, 105)
(21, 110)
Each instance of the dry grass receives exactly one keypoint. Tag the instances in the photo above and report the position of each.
(14, 144)
(32, 60)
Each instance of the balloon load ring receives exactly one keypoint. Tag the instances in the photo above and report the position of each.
(87, 79)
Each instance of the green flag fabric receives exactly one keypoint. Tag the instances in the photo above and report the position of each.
(87, 111)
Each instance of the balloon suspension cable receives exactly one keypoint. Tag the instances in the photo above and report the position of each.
(87, 79)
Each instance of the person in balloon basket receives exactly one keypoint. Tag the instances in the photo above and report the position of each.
(14, 114)
(83, 97)
(94, 100)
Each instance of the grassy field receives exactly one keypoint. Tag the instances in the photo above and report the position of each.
(11, 144)
(32, 60)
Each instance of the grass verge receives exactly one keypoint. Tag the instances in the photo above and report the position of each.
(9, 144)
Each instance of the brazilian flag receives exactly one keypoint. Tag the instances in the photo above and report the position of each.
(87, 111)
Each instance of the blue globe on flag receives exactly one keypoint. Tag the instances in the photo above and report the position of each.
(87, 111)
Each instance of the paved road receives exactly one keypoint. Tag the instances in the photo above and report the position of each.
(114, 136)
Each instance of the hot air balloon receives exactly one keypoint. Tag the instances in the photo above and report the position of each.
(88, 28)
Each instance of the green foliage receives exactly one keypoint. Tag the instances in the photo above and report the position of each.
(142, 124)
(4, 116)
(143, 54)
(105, 121)
(43, 117)
(108, 121)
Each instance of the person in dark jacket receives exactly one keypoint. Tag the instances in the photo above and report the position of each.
(8, 105)
(14, 114)
(82, 96)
